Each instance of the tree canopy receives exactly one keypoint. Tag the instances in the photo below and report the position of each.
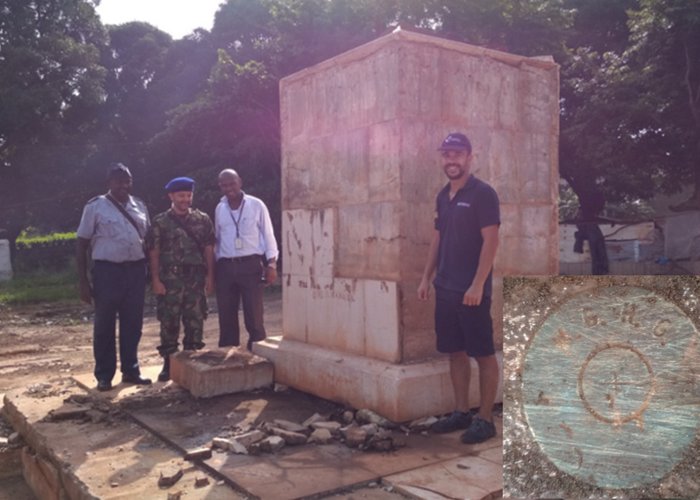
(76, 95)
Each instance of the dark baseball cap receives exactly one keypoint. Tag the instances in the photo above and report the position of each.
(118, 170)
(456, 142)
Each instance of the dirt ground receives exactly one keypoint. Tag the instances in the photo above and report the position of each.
(45, 342)
(41, 341)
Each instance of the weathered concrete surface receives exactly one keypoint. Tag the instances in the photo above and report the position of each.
(214, 372)
(397, 392)
(81, 459)
(5, 262)
(360, 173)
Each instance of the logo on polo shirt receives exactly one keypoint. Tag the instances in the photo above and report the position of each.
(463, 204)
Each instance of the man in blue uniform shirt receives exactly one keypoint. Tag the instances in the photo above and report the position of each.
(461, 255)
(111, 230)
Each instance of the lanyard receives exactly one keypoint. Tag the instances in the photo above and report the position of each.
(240, 214)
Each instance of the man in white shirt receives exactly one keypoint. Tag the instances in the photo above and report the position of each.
(246, 260)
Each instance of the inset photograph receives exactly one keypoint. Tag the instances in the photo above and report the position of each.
(602, 387)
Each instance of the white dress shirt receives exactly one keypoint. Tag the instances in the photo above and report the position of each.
(254, 229)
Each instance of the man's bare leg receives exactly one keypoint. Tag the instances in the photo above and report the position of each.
(488, 385)
(460, 373)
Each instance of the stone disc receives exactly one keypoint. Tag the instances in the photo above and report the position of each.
(610, 386)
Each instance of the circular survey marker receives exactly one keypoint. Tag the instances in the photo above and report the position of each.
(611, 386)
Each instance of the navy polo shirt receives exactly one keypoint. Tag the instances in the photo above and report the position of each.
(460, 221)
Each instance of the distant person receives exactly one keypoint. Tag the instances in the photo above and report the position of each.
(181, 249)
(112, 230)
(246, 260)
(462, 250)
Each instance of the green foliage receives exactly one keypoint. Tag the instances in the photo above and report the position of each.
(27, 240)
(40, 285)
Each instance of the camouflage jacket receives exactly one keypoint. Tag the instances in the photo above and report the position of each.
(175, 245)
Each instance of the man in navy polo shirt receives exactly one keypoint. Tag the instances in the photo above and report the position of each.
(461, 255)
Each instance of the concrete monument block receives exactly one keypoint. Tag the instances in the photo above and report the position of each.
(359, 139)
(214, 372)
(5, 261)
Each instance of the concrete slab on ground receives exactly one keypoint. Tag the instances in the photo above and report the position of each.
(113, 457)
(82, 448)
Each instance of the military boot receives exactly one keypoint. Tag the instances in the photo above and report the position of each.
(164, 374)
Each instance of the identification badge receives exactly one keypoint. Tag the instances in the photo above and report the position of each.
(239, 243)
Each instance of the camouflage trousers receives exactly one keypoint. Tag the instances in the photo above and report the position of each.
(186, 301)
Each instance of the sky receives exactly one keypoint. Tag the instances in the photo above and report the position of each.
(176, 17)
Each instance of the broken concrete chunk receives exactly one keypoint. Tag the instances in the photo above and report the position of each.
(14, 438)
(370, 429)
(201, 481)
(169, 476)
(289, 426)
(280, 388)
(355, 437)
(176, 495)
(348, 417)
(330, 426)
(221, 443)
(4, 441)
(321, 436)
(313, 418)
(422, 424)
(250, 437)
(290, 438)
(369, 417)
(271, 444)
(68, 412)
(95, 416)
(237, 448)
(198, 454)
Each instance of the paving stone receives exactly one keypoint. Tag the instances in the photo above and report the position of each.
(201, 481)
(68, 412)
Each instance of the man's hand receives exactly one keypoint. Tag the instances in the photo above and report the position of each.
(270, 275)
(157, 286)
(472, 297)
(85, 291)
(424, 289)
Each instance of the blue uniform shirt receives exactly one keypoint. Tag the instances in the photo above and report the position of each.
(460, 221)
(112, 237)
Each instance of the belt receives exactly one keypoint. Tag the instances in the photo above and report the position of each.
(241, 259)
(126, 263)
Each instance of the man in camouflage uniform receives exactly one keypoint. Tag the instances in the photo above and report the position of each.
(181, 251)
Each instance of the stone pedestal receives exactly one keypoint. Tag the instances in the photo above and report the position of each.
(360, 173)
(5, 262)
(214, 372)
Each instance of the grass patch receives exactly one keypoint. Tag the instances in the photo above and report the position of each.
(40, 286)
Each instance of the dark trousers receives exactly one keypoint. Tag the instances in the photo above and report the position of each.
(238, 279)
(118, 291)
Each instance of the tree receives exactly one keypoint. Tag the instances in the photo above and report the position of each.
(51, 84)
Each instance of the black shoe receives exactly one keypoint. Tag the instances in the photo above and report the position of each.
(164, 374)
(104, 385)
(135, 378)
(455, 421)
(479, 431)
